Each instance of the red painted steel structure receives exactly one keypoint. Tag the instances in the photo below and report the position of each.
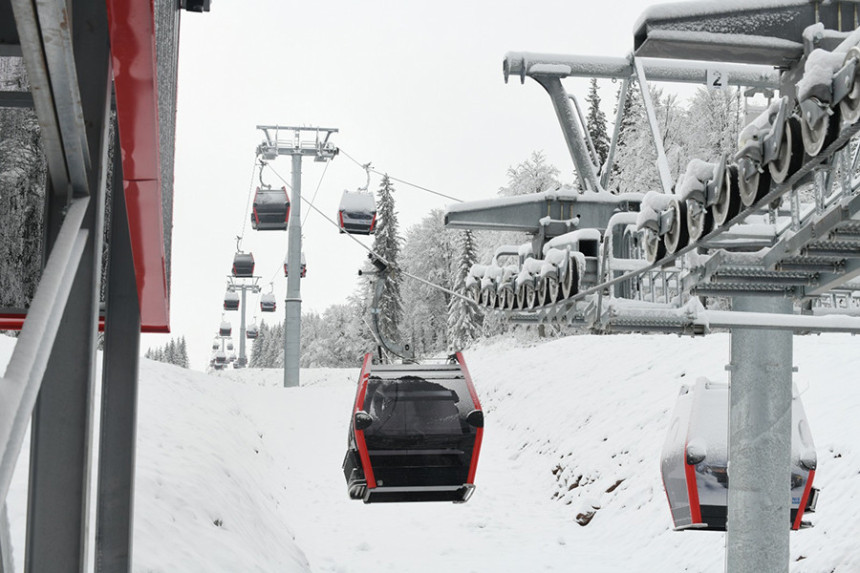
(132, 35)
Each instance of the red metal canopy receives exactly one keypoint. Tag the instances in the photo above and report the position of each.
(133, 53)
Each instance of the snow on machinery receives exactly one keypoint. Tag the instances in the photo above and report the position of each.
(694, 462)
(416, 429)
(775, 217)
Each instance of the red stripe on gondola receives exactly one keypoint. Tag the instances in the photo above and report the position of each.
(373, 223)
(692, 490)
(340, 218)
(803, 500)
(359, 434)
(476, 451)
(479, 432)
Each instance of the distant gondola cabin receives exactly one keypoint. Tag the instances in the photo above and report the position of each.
(225, 329)
(271, 210)
(231, 300)
(357, 213)
(267, 302)
(695, 459)
(243, 265)
(252, 332)
(304, 266)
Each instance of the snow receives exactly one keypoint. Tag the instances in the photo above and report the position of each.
(695, 178)
(572, 239)
(574, 426)
(357, 201)
(677, 10)
(818, 71)
(653, 204)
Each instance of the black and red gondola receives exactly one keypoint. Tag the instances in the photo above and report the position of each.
(415, 433)
(271, 209)
(268, 302)
(231, 300)
(252, 331)
(357, 213)
(694, 461)
(225, 329)
(243, 265)
(304, 266)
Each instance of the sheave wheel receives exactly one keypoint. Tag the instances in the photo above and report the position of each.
(554, 289)
(700, 220)
(753, 188)
(817, 137)
(728, 201)
(850, 105)
(567, 279)
(521, 297)
(678, 237)
(510, 299)
(654, 247)
(531, 296)
(543, 292)
(790, 155)
(502, 298)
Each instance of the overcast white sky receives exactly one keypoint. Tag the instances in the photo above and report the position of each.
(414, 87)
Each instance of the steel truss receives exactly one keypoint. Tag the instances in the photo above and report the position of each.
(49, 383)
(772, 251)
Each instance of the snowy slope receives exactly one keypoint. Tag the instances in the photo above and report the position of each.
(566, 421)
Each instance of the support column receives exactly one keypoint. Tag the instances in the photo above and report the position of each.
(757, 530)
(118, 432)
(243, 361)
(7, 565)
(293, 304)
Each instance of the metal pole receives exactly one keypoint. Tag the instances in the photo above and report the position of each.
(293, 304)
(115, 493)
(7, 565)
(759, 501)
(242, 360)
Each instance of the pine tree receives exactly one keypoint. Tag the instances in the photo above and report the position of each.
(464, 318)
(182, 353)
(387, 245)
(596, 124)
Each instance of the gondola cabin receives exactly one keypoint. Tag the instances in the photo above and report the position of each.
(231, 300)
(225, 329)
(271, 210)
(252, 332)
(220, 357)
(267, 302)
(243, 265)
(415, 433)
(695, 459)
(216, 344)
(304, 266)
(357, 213)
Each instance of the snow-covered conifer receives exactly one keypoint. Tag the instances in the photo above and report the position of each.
(595, 122)
(464, 318)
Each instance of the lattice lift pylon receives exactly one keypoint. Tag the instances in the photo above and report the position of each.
(774, 227)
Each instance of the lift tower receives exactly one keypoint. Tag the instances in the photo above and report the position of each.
(296, 142)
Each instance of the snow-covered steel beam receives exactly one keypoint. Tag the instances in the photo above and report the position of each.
(527, 64)
(749, 31)
(557, 212)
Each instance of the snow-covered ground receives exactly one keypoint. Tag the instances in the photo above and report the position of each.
(236, 473)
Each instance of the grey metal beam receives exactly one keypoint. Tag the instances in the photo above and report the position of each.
(61, 436)
(7, 564)
(656, 136)
(524, 212)
(525, 64)
(10, 45)
(758, 34)
(20, 385)
(759, 500)
(115, 501)
(570, 128)
(16, 99)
